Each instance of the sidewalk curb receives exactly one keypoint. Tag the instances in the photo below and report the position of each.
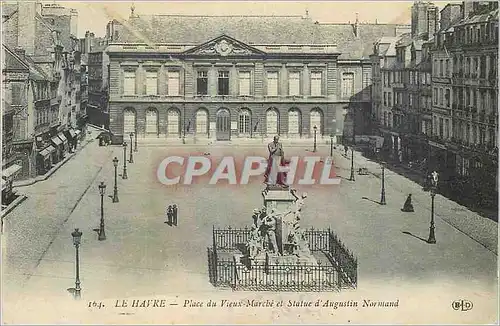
(44, 177)
(12, 205)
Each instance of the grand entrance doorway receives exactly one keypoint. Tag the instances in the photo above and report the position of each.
(223, 131)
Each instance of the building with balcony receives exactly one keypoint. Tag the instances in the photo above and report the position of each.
(399, 63)
(40, 45)
(437, 97)
(98, 79)
(229, 77)
(465, 100)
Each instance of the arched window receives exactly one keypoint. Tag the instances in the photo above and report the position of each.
(151, 121)
(201, 122)
(316, 120)
(245, 122)
(128, 121)
(272, 122)
(293, 122)
(173, 122)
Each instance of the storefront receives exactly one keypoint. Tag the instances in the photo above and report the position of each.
(58, 154)
(45, 159)
(65, 144)
(72, 139)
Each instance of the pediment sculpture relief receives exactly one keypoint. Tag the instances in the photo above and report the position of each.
(224, 48)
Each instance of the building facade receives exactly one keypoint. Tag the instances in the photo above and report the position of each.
(42, 86)
(437, 103)
(225, 78)
(465, 102)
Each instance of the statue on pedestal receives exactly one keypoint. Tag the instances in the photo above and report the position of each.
(274, 178)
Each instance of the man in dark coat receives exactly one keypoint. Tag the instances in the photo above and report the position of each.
(169, 215)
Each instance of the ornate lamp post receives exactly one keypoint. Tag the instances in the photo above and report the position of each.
(382, 192)
(135, 141)
(351, 178)
(115, 189)
(434, 184)
(102, 190)
(124, 174)
(77, 235)
(315, 130)
(131, 145)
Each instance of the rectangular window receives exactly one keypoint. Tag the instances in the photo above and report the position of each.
(244, 82)
(441, 68)
(435, 95)
(129, 83)
(385, 98)
(441, 127)
(441, 102)
(173, 83)
(294, 83)
(316, 78)
(447, 98)
(347, 84)
(151, 83)
(366, 81)
(202, 83)
(223, 83)
(447, 67)
(389, 99)
(272, 83)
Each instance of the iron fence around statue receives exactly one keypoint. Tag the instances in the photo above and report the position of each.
(336, 268)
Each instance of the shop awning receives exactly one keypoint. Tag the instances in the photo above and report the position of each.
(72, 133)
(11, 170)
(46, 151)
(62, 137)
(56, 141)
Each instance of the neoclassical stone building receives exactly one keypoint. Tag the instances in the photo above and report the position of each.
(230, 77)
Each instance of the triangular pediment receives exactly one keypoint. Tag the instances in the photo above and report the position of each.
(224, 46)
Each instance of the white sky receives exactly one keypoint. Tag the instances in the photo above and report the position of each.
(94, 15)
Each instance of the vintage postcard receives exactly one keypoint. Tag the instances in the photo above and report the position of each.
(252, 162)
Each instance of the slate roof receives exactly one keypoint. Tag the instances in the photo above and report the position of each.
(35, 71)
(184, 29)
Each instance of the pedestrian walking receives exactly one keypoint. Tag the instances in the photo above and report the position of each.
(169, 215)
(174, 213)
(408, 206)
(345, 150)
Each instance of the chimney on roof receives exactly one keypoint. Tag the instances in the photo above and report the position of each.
(26, 11)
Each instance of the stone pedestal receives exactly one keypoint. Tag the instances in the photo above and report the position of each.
(281, 200)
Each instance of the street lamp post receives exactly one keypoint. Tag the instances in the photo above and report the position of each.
(77, 235)
(434, 184)
(115, 190)
(331, 145)
(131, 145)
(315, 130)
(352, 165)
(382, 192)
(124, 174)
(102, 190)
(135, 135)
